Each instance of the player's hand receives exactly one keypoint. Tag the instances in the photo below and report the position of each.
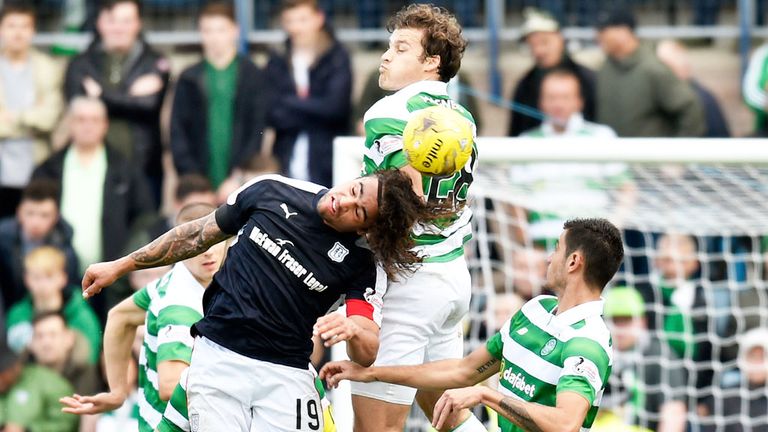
(334, 372)
(334, 328)
(99, 403)
(455, 400)
(98, 276)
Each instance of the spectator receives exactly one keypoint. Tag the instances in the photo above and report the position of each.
(47, 283)
(121, 69)
(30, 102)
(636, 94)
(219, 106)
(311, 85)
(547, 45)
(103, 197)
(755, 88)
(751, 402)
(29, 397)
(689, 311)
(675, 56)
(562, 103)
(677, 266)
(645, 384)
(257, 165)
(66, 351)
(38, 222)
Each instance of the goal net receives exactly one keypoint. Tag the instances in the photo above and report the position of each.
(694, 217)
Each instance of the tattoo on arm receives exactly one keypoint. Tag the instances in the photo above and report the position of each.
(515, 411)
(180, 243)
(487, 365)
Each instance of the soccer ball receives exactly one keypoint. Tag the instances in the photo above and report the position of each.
(438, 141)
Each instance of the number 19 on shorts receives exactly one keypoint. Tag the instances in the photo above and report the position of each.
(308, 414)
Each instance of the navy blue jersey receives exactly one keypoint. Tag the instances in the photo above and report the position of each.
(285, 269)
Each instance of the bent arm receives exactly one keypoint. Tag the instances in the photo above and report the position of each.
(363, 347)
(120, 331)
(567, 415)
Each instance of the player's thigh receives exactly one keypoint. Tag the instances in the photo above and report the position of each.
(375, 415)
(216, 384)
(286, 400)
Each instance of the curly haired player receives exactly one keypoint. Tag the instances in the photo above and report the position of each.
(299, 248)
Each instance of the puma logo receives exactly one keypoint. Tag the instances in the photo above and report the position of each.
(288, 214)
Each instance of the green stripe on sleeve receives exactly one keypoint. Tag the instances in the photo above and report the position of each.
(174, 351)
(177, 315)
(141, 298)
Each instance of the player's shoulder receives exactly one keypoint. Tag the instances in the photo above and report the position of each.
(261, 187)
(182, 290)
(589, 335)
(157, 288)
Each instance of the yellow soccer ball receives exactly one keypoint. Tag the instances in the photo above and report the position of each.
(438, 141)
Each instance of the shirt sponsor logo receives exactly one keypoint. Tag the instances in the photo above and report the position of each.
(548, 347)
(338, 252)
(447, 103)
(517, 381)
(285, 258)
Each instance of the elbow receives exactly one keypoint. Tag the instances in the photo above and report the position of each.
(365, 356)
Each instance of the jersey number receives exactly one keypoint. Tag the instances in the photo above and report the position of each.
(314, 416)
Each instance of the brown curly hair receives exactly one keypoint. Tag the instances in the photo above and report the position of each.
(400, 208)
(442, 35)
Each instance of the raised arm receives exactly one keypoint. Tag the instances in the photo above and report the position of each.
(178, 244)
(119, 334)
(476, 367)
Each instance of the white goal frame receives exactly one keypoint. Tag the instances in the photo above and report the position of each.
(348, 153)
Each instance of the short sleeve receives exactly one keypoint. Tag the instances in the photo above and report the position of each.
(174, 340)
(586, 368)
(141, 298)
(366, 297)
(234, 213)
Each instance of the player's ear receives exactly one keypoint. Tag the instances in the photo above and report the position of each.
(432, 64)
(575, 260)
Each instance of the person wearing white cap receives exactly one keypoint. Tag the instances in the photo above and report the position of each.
(541, 33)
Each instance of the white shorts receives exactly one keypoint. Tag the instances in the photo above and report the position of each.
(234, 393)
(422, 322)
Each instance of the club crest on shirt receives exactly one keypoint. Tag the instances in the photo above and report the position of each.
(548, 347)
(338, 252)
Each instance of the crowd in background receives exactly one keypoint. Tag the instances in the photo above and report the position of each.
(82, 175)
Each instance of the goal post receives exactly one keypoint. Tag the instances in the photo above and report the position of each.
(694, 217)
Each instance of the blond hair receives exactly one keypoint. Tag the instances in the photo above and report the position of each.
(45, 258)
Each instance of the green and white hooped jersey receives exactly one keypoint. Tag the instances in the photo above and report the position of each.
(543, 354)
(173, 304)
(384, 124)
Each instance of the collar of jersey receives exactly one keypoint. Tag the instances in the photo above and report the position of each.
(315, 200)
(437, 88)
(183, 277)
(580, 312)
